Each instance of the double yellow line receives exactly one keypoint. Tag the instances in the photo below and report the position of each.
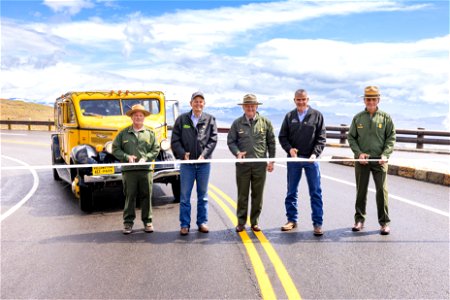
(261, 275)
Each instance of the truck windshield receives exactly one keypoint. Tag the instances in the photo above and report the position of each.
(112, 107)
(152, 105)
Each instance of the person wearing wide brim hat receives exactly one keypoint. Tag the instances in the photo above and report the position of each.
(133, 144)
(371, 136)
(251, 136)
(136, 108)
(249, 99)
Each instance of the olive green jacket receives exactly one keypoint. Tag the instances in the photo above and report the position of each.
(256, 140)
(127, 143)
(374, 136)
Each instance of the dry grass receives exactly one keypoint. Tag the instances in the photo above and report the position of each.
(20, 110)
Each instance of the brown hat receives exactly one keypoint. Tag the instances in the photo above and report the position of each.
(136, 108)
(371, 92)
(249, 99)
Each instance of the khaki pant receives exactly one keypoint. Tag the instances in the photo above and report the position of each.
(362, 174)
(250, 176)
(137, 186)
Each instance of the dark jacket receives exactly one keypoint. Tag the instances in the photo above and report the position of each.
(308, 137)
(200, 140)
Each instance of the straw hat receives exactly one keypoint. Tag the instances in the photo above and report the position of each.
(136, 108)
(371, 92)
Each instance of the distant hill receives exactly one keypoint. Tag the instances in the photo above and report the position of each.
(20, 110)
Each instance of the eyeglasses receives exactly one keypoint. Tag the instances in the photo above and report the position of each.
(371, 99)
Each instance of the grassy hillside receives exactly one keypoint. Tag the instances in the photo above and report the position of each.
(20, 110)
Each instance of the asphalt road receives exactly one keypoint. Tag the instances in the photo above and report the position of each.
(52, 250)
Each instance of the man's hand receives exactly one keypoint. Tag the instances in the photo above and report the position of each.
(270, 166)
(383, 160)
(201, 157)
(241, 155)
(131, 158)
(363, 158)
(142, 160)
(186, 155)
(293, 152)
(312, 157)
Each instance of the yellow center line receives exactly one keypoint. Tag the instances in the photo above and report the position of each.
(24, 142)
(280, 269)
(261, 275)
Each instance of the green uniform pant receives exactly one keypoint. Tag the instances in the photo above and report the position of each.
(362, 174)
(137, 185)
(250, 176)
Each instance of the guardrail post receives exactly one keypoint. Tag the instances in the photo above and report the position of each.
(49, 126)
(9, 124)
(420, 136)
(29, 125)
(343, 134)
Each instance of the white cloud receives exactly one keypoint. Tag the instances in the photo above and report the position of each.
(178, 53)
(71, 7)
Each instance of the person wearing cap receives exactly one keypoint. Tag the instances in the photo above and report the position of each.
(371, 137)
(137, 144)
(303, 135)
(251, 136)
(194, 137)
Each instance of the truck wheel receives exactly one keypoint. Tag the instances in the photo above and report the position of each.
(55, 173)
(176, 190)
(86, 198)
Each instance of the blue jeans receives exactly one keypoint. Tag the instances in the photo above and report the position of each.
(294, 174)
(188, 174)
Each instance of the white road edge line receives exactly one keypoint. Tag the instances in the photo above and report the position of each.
(27, 196)
(401, 199)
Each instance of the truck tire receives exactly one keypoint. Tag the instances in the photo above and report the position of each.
(55, 173)
(86, 198)
(176, 188)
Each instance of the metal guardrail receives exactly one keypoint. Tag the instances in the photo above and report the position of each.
(415, 136)
(29, 123)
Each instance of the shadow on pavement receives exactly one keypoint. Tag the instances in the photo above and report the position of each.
(139, 236)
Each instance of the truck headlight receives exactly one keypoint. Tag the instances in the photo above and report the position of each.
(165, 145)
(108, 147)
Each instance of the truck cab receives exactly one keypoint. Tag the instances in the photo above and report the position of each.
(87, 123)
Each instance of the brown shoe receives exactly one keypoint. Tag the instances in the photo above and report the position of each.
(127, 228)
(240, 228)
(256, 228)
(358, 226)
(203, 228)
(318, 231)
(288, 226)
(184, 230)
(385, 230)
(148, 228)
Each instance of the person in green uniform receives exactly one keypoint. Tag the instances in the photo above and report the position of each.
(251, 136)
(137, 144)
(372, 137)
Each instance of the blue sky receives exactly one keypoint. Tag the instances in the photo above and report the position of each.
(333, 49)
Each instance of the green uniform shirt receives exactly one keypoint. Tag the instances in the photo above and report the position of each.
(256, 140)
(142, 144)
(372, 135)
